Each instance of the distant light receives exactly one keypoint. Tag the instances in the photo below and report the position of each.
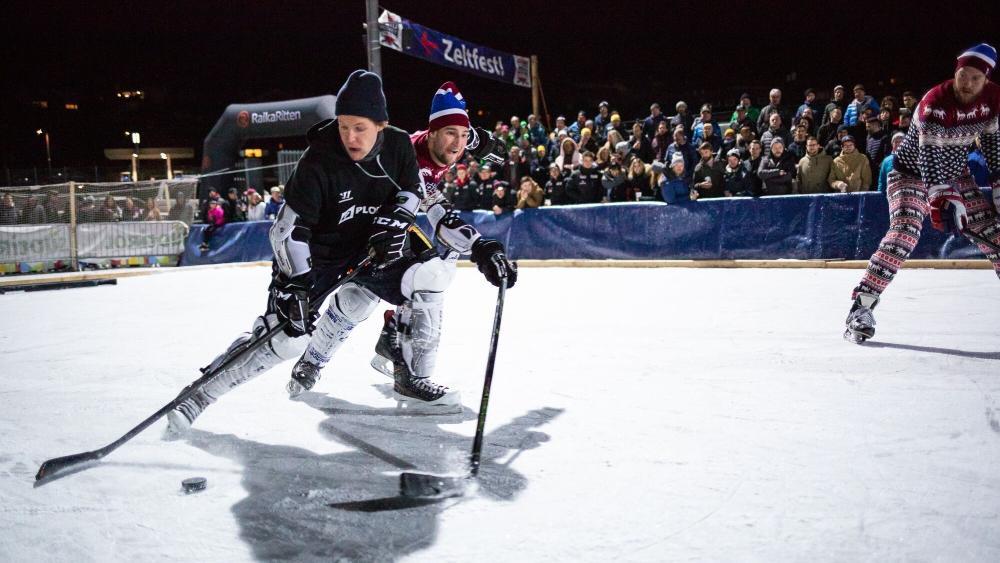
(135, 155)
(135, 137)
(128, 133)
(163, 155)
(39, 132)
(72, 106)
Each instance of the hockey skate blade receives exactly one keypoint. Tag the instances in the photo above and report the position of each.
(294, 389)
(383, 365)
(449, 404)
(855, 337)
(425, 485)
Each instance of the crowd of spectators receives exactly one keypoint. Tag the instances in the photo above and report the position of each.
(843, 145)
(54, 207)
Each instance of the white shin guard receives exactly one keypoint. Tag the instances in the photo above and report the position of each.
(349, 307)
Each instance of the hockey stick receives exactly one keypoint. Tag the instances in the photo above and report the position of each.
(977, 238)
(438, 486)
(53, 467)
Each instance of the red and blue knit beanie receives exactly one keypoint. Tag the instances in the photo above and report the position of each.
(448, 108)
(982, 57)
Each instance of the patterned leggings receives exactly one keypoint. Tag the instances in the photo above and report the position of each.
(907, 209)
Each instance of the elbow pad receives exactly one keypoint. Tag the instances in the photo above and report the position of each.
(290, 242)
(450, 229)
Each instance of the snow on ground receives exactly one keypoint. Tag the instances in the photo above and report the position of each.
(636, 415)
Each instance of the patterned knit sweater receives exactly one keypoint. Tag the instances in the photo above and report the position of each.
(937, 144)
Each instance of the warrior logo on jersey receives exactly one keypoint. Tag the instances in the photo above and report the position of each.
(344, 196)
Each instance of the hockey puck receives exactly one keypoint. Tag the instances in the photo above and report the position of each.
(194, 484)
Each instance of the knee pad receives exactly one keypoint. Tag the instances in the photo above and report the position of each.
(420, 328)
(434, 275)
(282, 345)
(353, 302)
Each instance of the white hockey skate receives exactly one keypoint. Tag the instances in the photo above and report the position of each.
(304, 377)
(861, 321)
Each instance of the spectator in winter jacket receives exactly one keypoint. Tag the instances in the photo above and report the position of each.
(809, 103)
(741, 119)
(708, 136)
(639, 145)
(685, 149)
(752, 113)
(530, 195)
(735, 180)
(235, 210)
(798, 145)
(652, 122)
(182, 209)
(615, 125)
(555, 187)
(638, 181)
(602, 120)
(743, 140)
(503, 201)
(587, 141)
(675, 187)
(775, 129)
(905, 117)
(482, 187)
(775, 106)
(516, 132)
(728, 142)
(109, 211)
(829, 129)
(569, 158)
(271, 211)
(698, 127)
(838, 102)
(909, 101)
(216, 218)
(682, 118)
(33, 212)
(858, 105)
(777, 170)
(814, 169)
(660, 142)
(536, 131)
(752, 163)
(577, 126)
(613, 182)
(833, 146)
(877, 145)
(255, 207)
(517, 167)
(540, 165)
(888, 161)
(707, 178)
(584, 185)
(850, 171)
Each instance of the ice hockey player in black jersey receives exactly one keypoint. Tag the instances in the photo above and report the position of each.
(354, 193)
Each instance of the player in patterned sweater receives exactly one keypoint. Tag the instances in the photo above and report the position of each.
(409, 338)
(931, 175)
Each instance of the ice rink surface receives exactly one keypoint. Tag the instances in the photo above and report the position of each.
(636, 415)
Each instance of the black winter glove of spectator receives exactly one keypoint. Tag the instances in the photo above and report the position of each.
(290, 300)
(489, 256)
(484, 146)
(389, 240)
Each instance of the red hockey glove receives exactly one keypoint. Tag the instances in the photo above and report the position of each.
(947, 209)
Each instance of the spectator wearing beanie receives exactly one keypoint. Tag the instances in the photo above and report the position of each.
(777, 170)
(809, 103)
(555, 187)
(661, 141)
(707, 178)
(752, 113)
(685, 149)
(887, 162)
(856, 108)
(774, 130)
(675, 188)
(698, 129)
(814, 169)
(839, 101)
(682, 118)
(735, 179)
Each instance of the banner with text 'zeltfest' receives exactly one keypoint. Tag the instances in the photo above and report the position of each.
(422, 42)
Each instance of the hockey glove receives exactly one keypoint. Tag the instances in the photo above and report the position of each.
(947, 209)
(389, 240)
(489, 256)
(290, 300)
(484, 146)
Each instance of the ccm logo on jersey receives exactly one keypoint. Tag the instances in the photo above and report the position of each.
(391, 223)
(358, 210)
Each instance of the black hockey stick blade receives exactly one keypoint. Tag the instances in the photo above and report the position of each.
(62, 465)
(425, 485)
(978, 238)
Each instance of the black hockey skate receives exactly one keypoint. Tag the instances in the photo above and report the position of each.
(383, 358)
(420, 394)
(860, 321)
(304, 377)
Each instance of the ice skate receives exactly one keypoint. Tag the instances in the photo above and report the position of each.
(420, 394)
(382, 360)
(860, 321)
(304, 376)
(181, 417)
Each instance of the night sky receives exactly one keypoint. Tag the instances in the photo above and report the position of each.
(192, 59)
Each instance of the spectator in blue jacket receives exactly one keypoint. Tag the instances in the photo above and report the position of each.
(977, 165)
(271, 210)
(685, 149)
(577, 126)
(887, 162)
(698, 129)
(536, 131)
(858, 105)
(652, 121)
(675, 185)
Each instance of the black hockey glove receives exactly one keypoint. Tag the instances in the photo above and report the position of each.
(489, 256)
(484, 146)
(389, 240)
(290, 300)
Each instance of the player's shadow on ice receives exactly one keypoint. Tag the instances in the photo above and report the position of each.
(935, 350)
(345, 505)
